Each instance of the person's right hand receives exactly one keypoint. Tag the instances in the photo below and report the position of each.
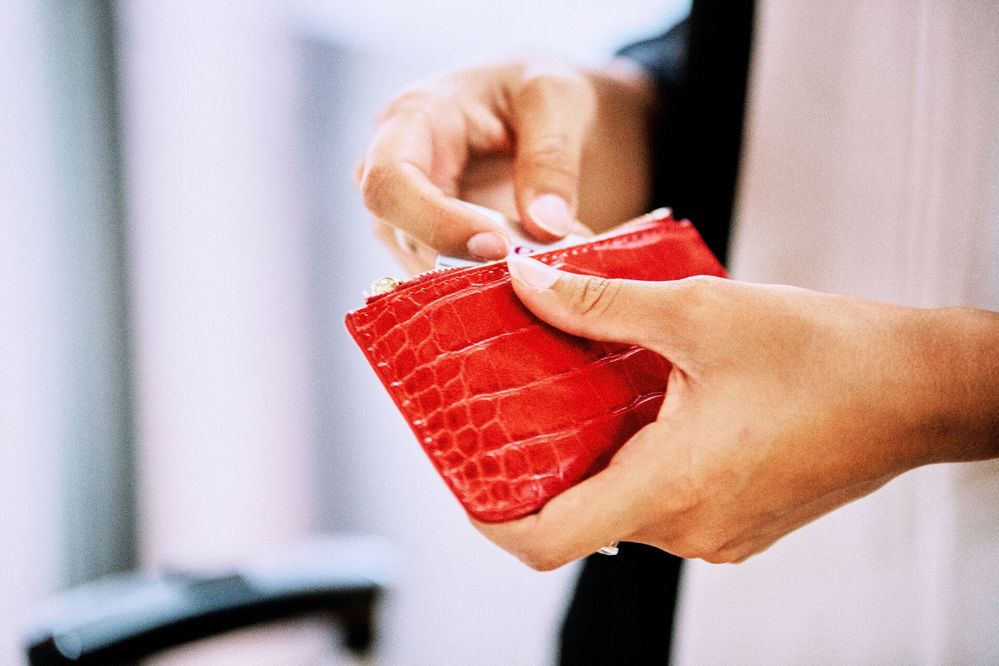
(782, 404)
(547, 144)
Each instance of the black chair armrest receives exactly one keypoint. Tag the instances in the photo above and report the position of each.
(126, 617)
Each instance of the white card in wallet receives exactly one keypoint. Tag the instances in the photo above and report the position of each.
(520, 242)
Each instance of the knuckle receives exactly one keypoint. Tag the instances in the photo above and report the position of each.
(731, 554)
(416, 99)
(712, 559)
(738, 556)
(703, 546)
(539, 550)
(593, 296)
(555, 84)
(551, 154)
(699, 298)
(740, 549)
(433, 108)
(687, 547)
(547, 82)
(542, 562)
(540, 558)
(698, 288)
(725, 547)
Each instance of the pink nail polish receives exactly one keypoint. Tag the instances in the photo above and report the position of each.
(487, 245)
(532, 272)
(551, 212)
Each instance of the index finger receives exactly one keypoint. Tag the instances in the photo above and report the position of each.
(397, 187)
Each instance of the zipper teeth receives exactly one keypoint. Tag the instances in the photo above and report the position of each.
(660, 215)
(416, 279)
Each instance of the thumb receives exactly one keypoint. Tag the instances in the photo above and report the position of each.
(650, 314)
(552, 109)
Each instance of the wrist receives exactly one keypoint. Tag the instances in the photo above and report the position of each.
(954, 375)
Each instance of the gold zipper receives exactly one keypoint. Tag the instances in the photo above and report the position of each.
(383, 285)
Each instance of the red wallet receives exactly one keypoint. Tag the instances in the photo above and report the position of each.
(510, 410)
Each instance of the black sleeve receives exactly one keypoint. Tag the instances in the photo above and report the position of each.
(663, 57)
(700, 66)
(623, 606)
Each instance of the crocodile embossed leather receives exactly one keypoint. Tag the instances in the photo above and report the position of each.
(510, 410)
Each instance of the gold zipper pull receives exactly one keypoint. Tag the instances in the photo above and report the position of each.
(384, 285)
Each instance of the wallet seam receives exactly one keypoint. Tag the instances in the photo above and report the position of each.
(500, 268)
(360, 324)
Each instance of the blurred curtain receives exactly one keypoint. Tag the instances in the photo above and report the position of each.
(65, 428)
(217, 429)
(224, 434)
(170, 308)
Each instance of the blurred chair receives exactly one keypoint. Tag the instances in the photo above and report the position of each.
(123, 618)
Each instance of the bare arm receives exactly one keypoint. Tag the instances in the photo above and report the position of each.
(783, 405)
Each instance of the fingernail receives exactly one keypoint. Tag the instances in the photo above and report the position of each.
(551, 212)
(487, 245)
(532, 272)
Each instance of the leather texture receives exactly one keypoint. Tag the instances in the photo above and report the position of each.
(510, 410)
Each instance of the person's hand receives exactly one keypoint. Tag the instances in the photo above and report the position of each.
(544, 143)
(782, 405)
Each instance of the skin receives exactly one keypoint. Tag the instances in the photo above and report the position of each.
(783, 404)
(501, 136)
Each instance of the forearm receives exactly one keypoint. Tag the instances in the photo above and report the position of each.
(782, 405)
(960, 406)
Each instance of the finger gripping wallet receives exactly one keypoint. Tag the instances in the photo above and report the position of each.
(512, 411)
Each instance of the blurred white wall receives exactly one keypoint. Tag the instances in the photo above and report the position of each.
(31, 354)
(224, 430)
(257, 421)
(460, 600)
(224, 436)
(66, 511)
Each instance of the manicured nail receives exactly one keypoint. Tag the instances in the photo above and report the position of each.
(551, 212)
(532, 272)
(487, 245)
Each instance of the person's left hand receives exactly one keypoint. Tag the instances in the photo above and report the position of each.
(783, 404)
(562, 149)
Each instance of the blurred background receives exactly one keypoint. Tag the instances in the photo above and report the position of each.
(179, 242)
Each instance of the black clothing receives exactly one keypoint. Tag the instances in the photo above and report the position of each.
(622, 609)
(700, 66)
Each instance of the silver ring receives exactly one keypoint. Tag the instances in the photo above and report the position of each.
(610, 549)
